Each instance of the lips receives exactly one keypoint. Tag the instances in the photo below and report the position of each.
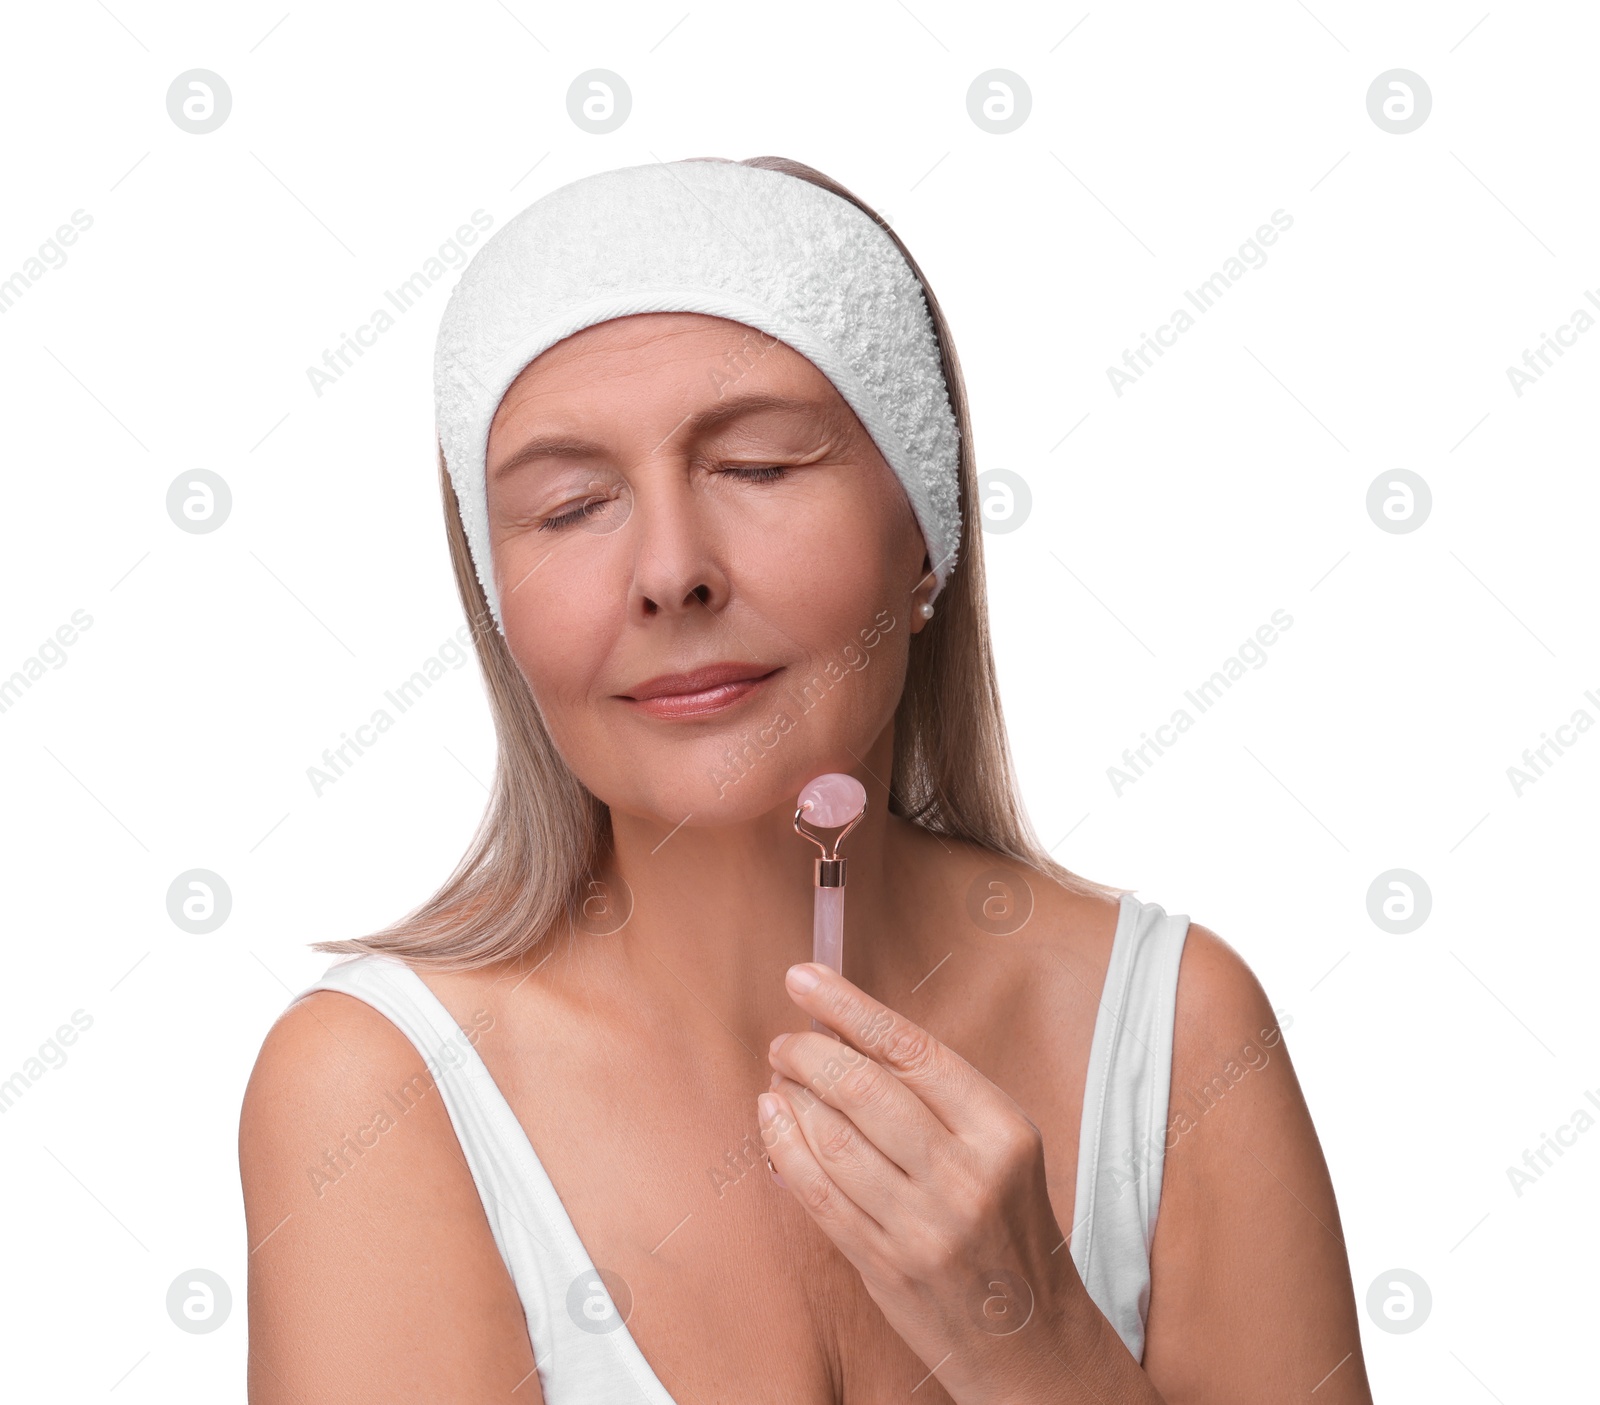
(698, 692)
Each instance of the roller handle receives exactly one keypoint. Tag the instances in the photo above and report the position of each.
(827, 939)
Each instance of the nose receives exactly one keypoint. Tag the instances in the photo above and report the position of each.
(678, 567)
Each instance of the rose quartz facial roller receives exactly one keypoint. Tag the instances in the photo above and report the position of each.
(829, 802)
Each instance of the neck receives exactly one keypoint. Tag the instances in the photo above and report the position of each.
(719, 913)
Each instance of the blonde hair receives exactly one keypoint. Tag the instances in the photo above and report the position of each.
(535, 860)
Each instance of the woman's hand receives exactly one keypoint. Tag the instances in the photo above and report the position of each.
(931, 1181)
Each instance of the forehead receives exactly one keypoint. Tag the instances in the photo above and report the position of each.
(685, 359)
(657, 341)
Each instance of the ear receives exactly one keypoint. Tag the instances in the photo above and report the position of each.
(920, 594)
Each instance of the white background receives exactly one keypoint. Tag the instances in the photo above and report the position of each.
(1167, 524)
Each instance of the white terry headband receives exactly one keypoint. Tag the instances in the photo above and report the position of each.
(755, 246)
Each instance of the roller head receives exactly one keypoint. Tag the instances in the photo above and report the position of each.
(833, 800)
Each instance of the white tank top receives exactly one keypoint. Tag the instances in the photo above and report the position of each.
(581, 1345)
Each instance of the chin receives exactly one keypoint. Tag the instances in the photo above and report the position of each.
(695, 801)
(725, 783)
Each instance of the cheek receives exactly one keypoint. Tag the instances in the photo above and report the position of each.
(851, 540)
(560, 633)
(833, 568)
(832, 582)
(851, 639)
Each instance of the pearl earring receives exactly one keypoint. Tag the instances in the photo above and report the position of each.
(926, 609)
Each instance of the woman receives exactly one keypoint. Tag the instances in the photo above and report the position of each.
(707, 467)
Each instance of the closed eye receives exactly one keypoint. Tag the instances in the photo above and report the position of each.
(746, 473)
(566, 519)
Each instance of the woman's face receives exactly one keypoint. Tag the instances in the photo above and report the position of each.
(672, 491)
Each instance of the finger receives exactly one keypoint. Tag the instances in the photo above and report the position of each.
(891, 1116)
(886, 1195)
(857, 1235)
(845, 1154)
(951, 1088)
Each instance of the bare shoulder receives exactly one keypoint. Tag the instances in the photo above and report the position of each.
(1077, 924)
(1251, 1298)
(1022, 959)
(373, 1275)
(1002, 897)
(1221, 1005)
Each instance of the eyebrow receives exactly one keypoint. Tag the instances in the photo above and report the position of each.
(565, 446)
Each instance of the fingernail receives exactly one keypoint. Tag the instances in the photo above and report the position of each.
(767, 1106)
(778, 1042)
(775, 1176)
(803, 978)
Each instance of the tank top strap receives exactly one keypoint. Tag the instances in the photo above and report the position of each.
(538, 1242)
(1122, 1139)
